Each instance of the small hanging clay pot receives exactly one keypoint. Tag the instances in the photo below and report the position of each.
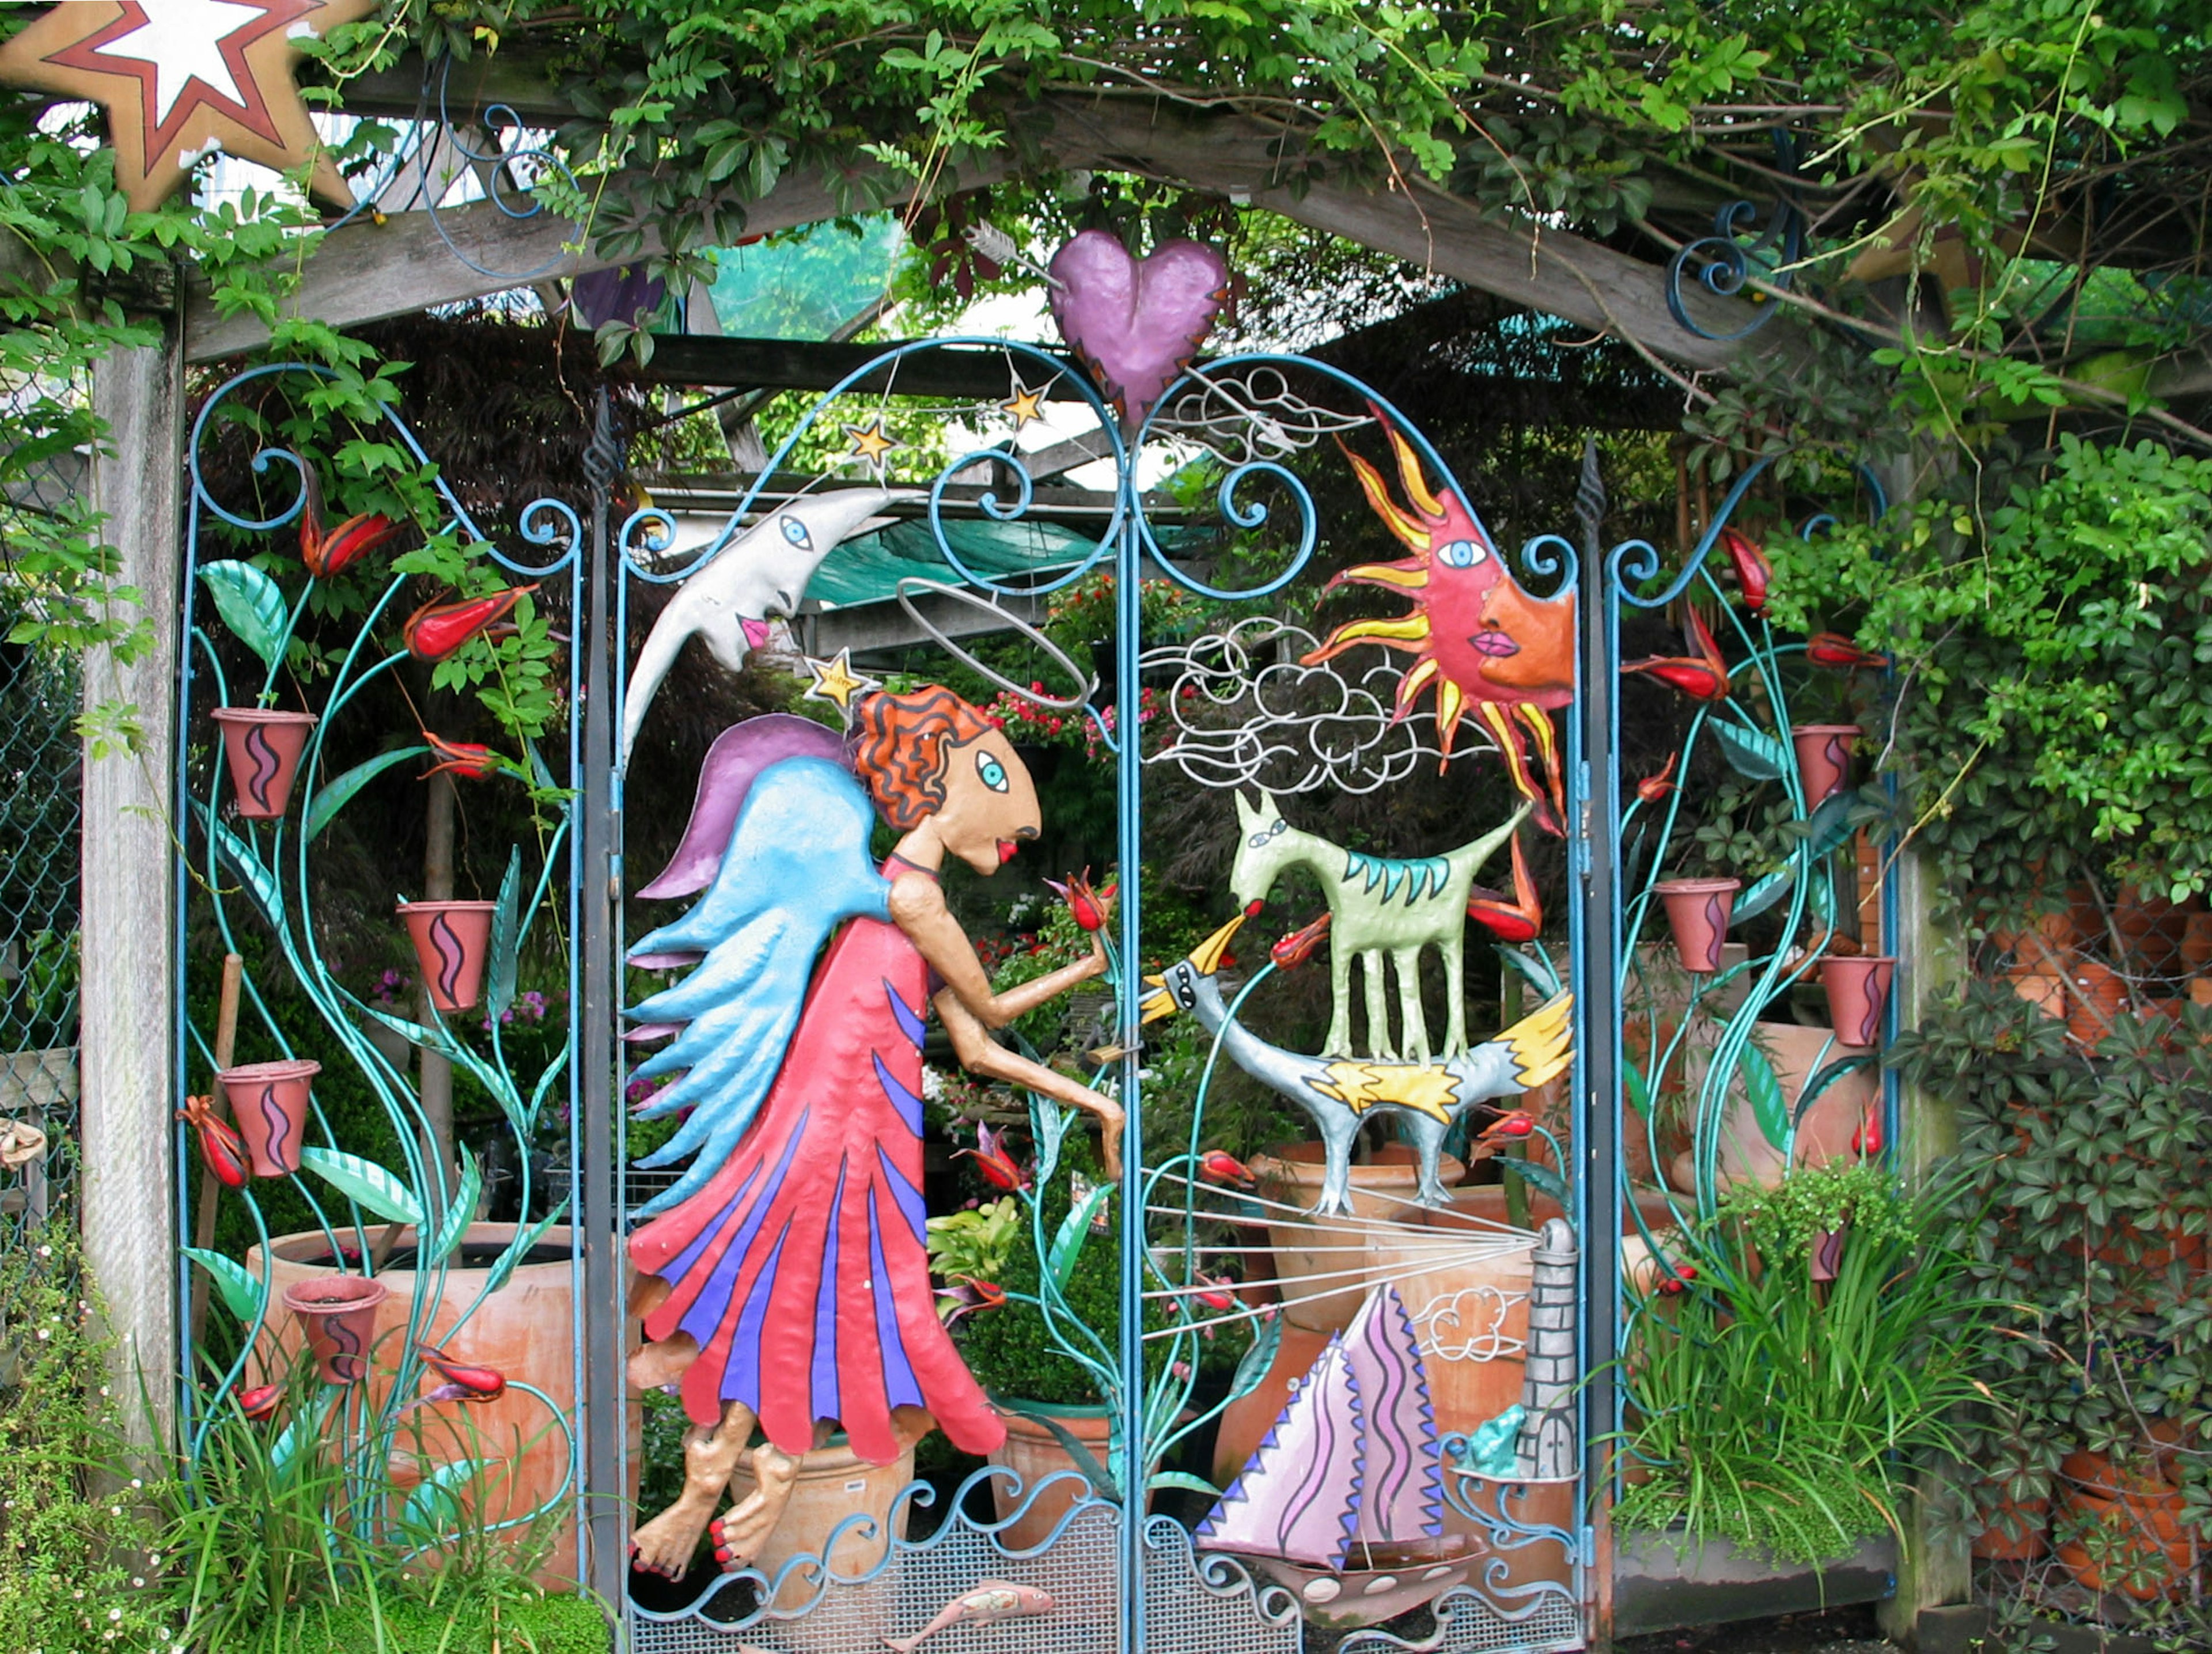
(1697, 910)
(1826, 1256)
(1824, 759)
(451, 941)
(339, 1312)
(262, 748)
(269, 1101)
(1858, 988)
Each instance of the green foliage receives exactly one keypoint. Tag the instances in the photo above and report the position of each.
(1785, 1415)
(976, 1242)
(71, 1510)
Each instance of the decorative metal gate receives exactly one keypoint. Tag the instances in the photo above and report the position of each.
(1410, 1385)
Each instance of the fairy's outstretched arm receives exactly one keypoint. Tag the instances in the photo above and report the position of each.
(970, 1008)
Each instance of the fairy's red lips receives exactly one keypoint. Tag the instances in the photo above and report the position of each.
(1006, 849)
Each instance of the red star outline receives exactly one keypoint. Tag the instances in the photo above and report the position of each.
(254, 115)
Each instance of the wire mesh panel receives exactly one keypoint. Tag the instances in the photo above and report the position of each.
(38, 860)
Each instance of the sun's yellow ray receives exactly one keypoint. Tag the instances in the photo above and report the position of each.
(1378, 496)
(1391, 574)
(1409, 472)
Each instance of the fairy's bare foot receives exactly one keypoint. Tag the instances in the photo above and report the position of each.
(663, 1361)
(664, 1545)
(741, 1530)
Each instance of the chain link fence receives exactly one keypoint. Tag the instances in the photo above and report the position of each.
(40, 813)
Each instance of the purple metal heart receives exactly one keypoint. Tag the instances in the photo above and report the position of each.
(1135, 324)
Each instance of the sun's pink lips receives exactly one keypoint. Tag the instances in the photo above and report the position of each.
(1006, 849)
(1494, 644)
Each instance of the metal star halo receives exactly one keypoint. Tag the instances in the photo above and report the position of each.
(179, 77)
(871, 443)
(836, 683)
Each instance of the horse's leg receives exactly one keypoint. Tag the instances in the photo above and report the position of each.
(1413, 1020)
(1452, 950)
(1378, 1011)
(1339, 1043)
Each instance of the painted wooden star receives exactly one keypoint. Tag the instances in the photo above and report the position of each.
(181, 78)
(1027, 406)
(871, 443)
(836, 683)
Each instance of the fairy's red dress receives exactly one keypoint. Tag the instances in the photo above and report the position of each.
(799, 1269)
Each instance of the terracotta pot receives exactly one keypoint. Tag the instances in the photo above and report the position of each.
(1824, 1134)
(1698, 911)
(2139, 1537)
(1824, 759)
(261, 748)
(527, 1330)
(1033, 1453)
(2153, 930)
(2088, 997)
(269, 1101)
(2019, 1531)
(1313, 1255)
(1859, 990)
(835, 1484)
(450, 940)
(338, 1313)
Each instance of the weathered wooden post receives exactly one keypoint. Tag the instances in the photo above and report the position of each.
(128, 1024)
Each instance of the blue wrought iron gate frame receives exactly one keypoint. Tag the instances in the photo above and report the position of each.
(599, 561)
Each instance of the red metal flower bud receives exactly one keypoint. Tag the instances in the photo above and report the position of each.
(1084, 903)
(475, 1383)
(1752, 571)
(346, 544)
(460, 758)
(437, 629)
(1832, 649)
(1219, 1165)
(259, 1402)
(1297, 947)
(1654, 788)
(220, 1149)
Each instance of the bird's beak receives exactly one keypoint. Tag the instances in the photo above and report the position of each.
(1157, 1005)
(1207, 955)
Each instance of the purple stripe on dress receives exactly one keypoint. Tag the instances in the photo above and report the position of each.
(680, 1266)
(704, 1319)
(741, 1373)
(909, 1021)
(911, 1205)
(824, 1375)
(266, 764)
(908, 1105)
(900, 1387)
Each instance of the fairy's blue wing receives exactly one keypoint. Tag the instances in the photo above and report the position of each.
(796, 867)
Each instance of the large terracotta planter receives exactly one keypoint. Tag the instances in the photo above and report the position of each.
(1824, 759)
(261, 748)
(339, 1314)
(450, 939)
(1033, 1453)
(2019, 1530)
(2140, 1547)
(1698, 912)
(526, 1331)
(835, 1484)
(1858, 991)
(2088, 996)
(1824, 1134)
(269, 1101)
(1323, 1269)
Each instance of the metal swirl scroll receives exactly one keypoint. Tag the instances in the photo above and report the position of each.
(1724, 259)
(1636, 563)
(1255, 416)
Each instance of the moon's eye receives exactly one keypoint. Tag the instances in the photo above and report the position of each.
(795, 532)
(1460, 554)
(993, 771)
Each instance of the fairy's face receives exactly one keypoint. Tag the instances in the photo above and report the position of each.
(990, 807)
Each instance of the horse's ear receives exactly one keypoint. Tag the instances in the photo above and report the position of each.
(1247, 812)
(1272, 810)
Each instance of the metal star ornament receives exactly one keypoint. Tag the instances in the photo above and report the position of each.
(1027, 406)
(872, 444)
(181, 78)
(836, 683)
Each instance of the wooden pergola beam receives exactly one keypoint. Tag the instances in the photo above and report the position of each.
(412, 261)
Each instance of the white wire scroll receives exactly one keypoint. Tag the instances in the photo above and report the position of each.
(1255, 416)
(1243, 711)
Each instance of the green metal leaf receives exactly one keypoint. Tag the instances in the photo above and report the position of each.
(519, 1248)
(1086, 1462)
(250, 603)
(1639, 1089)
(242, 1295)
(334, 797)
(1266, 1339)
(365, 1184)
(417, 1033)
(1825, 1076)
(436, 1504)
(1536, 968)
(460, 1214)
(1830, 825)
(1541, 1178)
(505, 940)
(1048, 1125)
(306, 1426)
(1074, 1229)
(260, 883)
(1183, 1480)
(1763, 1086)
(1752, 752)
(1763, 894)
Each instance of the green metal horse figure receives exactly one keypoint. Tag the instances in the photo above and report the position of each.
(1376, 907)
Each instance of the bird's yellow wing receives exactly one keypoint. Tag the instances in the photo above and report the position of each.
(1543, 1042)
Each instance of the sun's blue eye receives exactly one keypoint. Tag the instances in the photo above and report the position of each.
(795, 532)
(993, 771)
(1460, 554)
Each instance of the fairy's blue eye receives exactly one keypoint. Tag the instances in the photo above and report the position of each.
(1460, 554)
(993, 771)
(795, 532)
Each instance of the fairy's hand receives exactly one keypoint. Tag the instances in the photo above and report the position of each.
(1111, 1122)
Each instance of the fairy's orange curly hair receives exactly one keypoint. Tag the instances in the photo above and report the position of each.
(898, 749)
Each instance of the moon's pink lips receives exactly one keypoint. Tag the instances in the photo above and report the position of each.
(1006, 849)
(1493, 643)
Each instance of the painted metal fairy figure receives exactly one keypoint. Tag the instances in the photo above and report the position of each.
(783, 1279)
